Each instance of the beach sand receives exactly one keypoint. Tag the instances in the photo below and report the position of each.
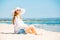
(7, 30)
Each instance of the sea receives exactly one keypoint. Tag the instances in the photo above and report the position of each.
(50, 24)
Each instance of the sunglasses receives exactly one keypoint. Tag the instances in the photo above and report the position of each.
(18, 10)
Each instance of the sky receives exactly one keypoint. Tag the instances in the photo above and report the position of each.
(34, 8)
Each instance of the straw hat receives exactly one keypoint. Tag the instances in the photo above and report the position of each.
(18, 8)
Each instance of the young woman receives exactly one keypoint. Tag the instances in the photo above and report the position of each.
(19, 25)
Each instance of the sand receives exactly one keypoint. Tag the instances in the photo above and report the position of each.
(7, 30)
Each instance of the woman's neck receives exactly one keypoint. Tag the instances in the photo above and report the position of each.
(19, 16)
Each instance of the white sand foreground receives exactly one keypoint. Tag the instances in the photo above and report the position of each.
(44, 35)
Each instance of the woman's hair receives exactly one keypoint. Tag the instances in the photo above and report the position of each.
(15, 14)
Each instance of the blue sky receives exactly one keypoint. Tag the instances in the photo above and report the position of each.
(34, 8)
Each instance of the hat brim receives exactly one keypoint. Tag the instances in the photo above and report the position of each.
(22, 10)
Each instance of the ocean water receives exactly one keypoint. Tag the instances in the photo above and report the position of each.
(50, 24)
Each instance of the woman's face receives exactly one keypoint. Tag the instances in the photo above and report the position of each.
(18, 11)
